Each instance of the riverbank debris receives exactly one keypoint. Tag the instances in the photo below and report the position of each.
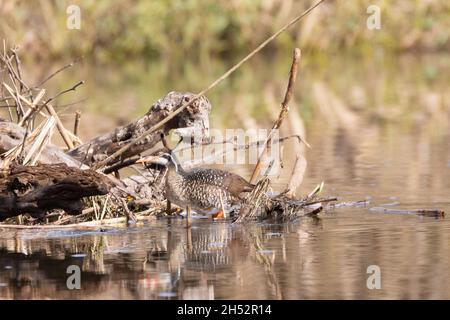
(45, 185)
(435, 213)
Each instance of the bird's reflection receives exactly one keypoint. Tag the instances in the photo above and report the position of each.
(166, 261)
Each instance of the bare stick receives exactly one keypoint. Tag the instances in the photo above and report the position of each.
(73, 88)
(22, 149)
(188, 217)
(55, 73)
(13, 72)
(283, 112)
(66, 105)
(68, 141)
(77, 122)
(237, 146)
(120, 165)
(210, 158)
(131, 217)
(9, 112)
(296, 177)
(157, 126)
(32, 108)
(18, 66)
(331, 199)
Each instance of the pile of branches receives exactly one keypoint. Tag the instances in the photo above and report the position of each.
(43, 184)
(40, 182)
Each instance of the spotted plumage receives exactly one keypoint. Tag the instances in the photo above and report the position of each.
(204, 190)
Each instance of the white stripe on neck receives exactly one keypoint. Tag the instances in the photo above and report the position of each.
(174, 162)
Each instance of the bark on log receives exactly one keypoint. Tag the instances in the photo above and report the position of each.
(192, 121)
(38, 189)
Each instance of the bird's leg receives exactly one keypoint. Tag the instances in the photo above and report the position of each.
(188, 217)
(221, 213)
(168, 208)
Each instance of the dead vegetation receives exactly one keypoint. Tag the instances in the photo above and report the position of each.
(45, 185)
(26, 149)
(42, 183)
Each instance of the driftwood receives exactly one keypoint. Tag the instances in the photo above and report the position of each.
(39, 189)
(145, 190)
(193, 120)
(58, 181)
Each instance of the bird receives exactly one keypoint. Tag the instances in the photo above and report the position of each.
(203, 190)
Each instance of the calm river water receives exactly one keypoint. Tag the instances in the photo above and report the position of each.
(379, 131)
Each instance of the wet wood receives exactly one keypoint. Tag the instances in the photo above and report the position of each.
(44, 187)
(420, 212)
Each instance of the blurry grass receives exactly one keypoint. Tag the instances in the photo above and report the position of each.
(118, 30)
(385, 88)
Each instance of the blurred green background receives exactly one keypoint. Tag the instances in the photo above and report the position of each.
(198, 28)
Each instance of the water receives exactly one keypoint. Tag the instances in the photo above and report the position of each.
(389, 144)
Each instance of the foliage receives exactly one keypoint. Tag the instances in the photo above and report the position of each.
(199, 28)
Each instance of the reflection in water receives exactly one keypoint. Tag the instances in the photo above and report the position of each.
(324, 257)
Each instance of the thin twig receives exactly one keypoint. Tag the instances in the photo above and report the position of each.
(7, 61)
(297, 176)
(157, 126)
(66, 105)
(55, 73)
(77, 122)
(32, 108)
(283, 112)
(73, 88)
(60, 126)
(18, 67)
(131, 217)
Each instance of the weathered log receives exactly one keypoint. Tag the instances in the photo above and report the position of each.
(192, 121)
(44, 187)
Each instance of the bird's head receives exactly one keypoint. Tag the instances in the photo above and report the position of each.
(165, 159)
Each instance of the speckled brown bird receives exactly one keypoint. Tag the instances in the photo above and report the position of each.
(204, 190)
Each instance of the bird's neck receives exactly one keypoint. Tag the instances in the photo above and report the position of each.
(175, 168)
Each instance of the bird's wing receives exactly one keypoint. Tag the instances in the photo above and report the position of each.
(232, 182)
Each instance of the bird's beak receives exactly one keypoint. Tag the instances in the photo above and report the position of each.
(153, 160)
